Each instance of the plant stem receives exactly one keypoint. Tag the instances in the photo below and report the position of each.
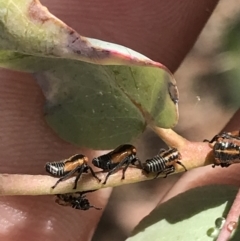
(170, 137)
(194, 154)
(14, 184)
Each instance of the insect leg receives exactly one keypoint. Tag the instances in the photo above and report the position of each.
(169, 170)
(161, 151)
(139, 162)
(124, 170)
(65, 177)
(158, 174)
(213, 139)
(80, 172)
(179, 163)
(91, 206)
(93, 174)
(83, 196)
(61, 200)
(115, 169)
(108, 174)
(225, 164)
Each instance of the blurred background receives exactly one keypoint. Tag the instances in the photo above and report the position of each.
(209, 85)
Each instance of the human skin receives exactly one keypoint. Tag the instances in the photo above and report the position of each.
(162, 30)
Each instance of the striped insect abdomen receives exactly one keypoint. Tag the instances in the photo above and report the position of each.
(156, 164)
(164, 162)
(56, 168)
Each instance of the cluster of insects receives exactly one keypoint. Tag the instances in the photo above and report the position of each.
(120, 158)
(226, 150)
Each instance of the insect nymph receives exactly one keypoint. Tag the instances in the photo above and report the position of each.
(226, 148)
(164, 162)
(66, 168)
(123, 155)
(75, 200)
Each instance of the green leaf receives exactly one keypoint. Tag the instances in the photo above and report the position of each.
(98, 94)
(192, 215)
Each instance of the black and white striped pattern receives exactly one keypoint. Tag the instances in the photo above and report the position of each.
(56, 168)
(163, 162)
(156, 164)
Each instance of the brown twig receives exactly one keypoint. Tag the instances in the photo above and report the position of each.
(194, 154)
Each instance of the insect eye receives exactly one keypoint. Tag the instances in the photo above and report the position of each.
(95, 162)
